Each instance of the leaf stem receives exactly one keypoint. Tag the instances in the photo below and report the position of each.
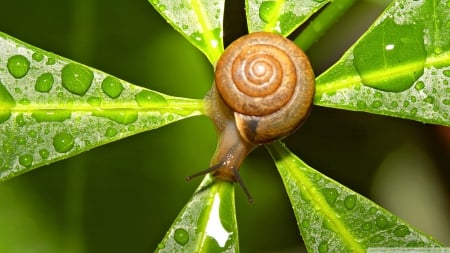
(322, 23)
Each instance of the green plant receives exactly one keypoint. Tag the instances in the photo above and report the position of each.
(57, 119)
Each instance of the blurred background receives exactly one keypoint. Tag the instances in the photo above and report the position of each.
(124, 196)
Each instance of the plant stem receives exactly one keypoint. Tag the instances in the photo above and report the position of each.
(322, 23)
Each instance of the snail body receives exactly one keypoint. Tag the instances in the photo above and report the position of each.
(264, 89)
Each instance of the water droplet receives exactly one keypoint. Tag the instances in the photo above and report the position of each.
(376, 238)
(44, 153)
(63, 142)
(350, 202)
(18, 66)
(6, 102)
(32, 133)
(419, 85)
(21, 140)
(44, 82)
(361, 104)
(112, 87)
(162, 7)
(378, 94)
(392, 66)
(50, 61)
(76, 78)
(120, 116)
(20, 120)
(265, 10)
(181, 236)
(323, 247)
(51, 115)
(401, 231)
(331, 195)
(372, 210)
(366, 226)
(438, 50)
(394, 104)
(161, 245)
(24, 101)
(446, 72)
(26, 160)
(446, 101)
(111, 132)
(150, 99)
(413, 111)
(185, 27)
(37, 56)
(381, 222)
(429, 99)
(94, 101)
(376, 104)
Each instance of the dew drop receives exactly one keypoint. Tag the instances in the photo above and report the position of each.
(63, 142)
(18, 66)
(44, 82)
(21, 140)
(20, 120)
(51, 115)
(401, 231)
(394, 104)
(392, 66)
(350, 202)
(376, 238)
(162, 7)
(323, 247)
(361, 104)
(265, 10)
(94, 101)
(111, 132)
(446, 101)
(366, 226)
(446, 72)
(6, 102)
(150, 98)
(44, 153)
(331, 195)
(26, 160)
(381, 222)
(50, 61)
(376, 104)
(413, 111)
(76, 78)
(24, 101)
(112, 87)
(419, 85)
(181, 236)
(120, 116)
(37, 56)
(161, 246)
(32, 133)
(429, 99)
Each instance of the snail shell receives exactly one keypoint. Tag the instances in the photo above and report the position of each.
(269, 84)
(264, 88)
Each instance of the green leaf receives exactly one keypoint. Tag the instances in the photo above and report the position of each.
(207, 223)
(52, 108)
(333, 218)
(200, 21)
(280, 17)
(400, 67)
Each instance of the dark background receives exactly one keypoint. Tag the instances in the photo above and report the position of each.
(124, 196)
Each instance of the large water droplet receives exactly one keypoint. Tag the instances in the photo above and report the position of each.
(44, 82)
(265, 10)
(63, 142)
(51, 115)
(76, 78)
(26, 160)
(181, 236)
(112, 87)
(150, 99)
(6, 102)
(384, 59)
(401, 231)
(18, 66)
(446, 72)
(350, 202)
(120, 116)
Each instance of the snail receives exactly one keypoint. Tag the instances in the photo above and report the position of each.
(263, 90)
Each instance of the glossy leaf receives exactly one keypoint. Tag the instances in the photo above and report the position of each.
(52, 108)
(333, 218)
(280, 17)
(400, 67)
(200, 21)
(207, 223)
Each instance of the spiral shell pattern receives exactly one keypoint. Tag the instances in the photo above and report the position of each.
(268, 82)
